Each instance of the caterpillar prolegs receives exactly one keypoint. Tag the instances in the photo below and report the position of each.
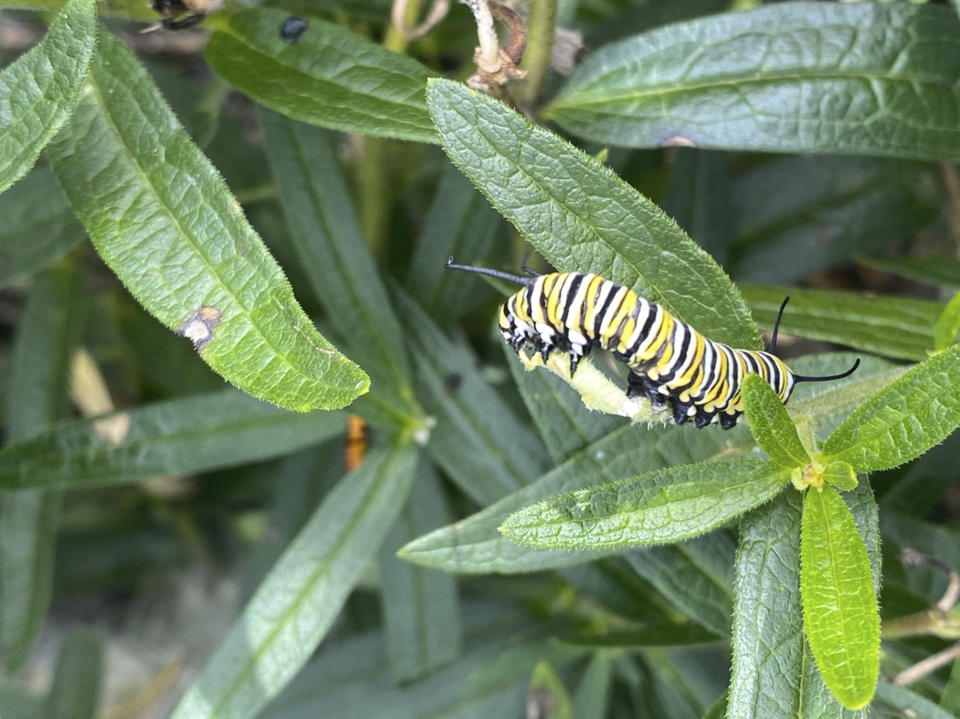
(669, 361)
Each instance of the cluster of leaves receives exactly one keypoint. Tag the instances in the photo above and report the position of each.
(650, 538)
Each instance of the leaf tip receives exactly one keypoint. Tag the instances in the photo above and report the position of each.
(511, 527)
(859, 703)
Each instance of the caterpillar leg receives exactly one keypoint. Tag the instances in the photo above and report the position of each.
(639, 386)
(577, 353)
(544, 348)
(728, 421)
(703, 419)
(681, 411)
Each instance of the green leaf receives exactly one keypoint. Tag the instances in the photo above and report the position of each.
(840, 475)
(908, 703)
(621, 21)
(333, 252)
(767, 636)
(128, 9)
(420, 607)
(669, 635)
(827, 404)
(901, 531)
(658, 507)
(297, 603)
(488, 681)
(547, 696)
(40, 89)
(28, 538)
(376, 10)
(343, 673)
(948, 324)
(17, 703)
(49, 328)
(825, 211)
(38, 226)
(75, 692)
(771, 425)
(478, 439)
(592, 696)
(564, 423)
(941, 270)
(473, 545)
(695, 576)
(698, 196)
(951, 693)
(921, 486)
(897, 327)
(866, 514)
(718, 710)
(179, 436)
(299, 482)
(330, 77)
(665, 689)
(772, 672)
(461, 224)
(613, 586)
(840, 614)
(162, 219)
(849, 78)
(580, 216)
(905, 419)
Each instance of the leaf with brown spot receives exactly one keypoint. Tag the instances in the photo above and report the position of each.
(172, 232)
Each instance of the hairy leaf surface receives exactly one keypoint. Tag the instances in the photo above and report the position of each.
(162, 218)
(864, 78)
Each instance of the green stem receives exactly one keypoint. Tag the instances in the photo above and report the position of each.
(536, 58)
(374, 193)
(394, 40)
(372, 176)
(932, 621)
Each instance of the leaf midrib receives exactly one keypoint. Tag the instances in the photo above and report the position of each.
(738, 82)
(301, 596)
(829, 540)
(95, 452)
(188, 238)
(719, 491)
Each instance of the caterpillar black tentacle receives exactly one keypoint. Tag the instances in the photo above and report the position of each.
(670, 362)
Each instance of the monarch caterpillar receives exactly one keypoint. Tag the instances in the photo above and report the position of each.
(669, 361)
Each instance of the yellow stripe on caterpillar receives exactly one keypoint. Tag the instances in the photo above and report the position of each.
(670, 362)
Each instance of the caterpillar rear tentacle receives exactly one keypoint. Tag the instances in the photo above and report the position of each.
(670, 362)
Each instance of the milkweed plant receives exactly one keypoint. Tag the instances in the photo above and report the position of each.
(265, 455)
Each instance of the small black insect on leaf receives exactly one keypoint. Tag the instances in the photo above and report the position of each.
(292, 28)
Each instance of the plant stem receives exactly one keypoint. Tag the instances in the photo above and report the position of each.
(952, 186)
(932, 663)
(536, 59)
(488, 56)
(932, 621)
(394, 39)
(372, 177)
(373, 192)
